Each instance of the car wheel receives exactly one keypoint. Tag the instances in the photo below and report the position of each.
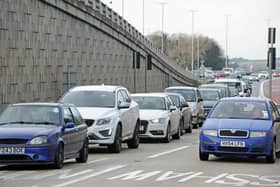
(134, 142)
(83, 154)
(178, 134)
(116, 146)
(168, 135)
(59, 157)
(203, 156)
(182, 126)
(271, 158)
(189, 130)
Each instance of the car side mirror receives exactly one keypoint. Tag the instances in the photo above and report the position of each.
(172, 108)
(185, 105)
(200, 100)
(124, 105)
(277, 120)
(69, 125)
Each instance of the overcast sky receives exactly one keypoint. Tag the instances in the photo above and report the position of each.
(247, 34)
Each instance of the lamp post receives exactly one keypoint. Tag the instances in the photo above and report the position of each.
(193, 12)
(143, 18)
(123, 8)
(162, 24)
(226, 60)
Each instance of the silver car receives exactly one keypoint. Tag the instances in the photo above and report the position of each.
(193, 97)
(159, 116)
(110, 113)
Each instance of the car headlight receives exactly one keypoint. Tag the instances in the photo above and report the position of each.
(104, 121)
(254, 134)
(39, 140)
(158, 120)
(210, 132)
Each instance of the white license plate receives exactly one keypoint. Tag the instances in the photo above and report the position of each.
(232, 144)
(142, 128)
(12, 150)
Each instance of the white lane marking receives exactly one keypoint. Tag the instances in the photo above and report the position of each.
(168, 152)
(90, 176)
(261, 94)
(66, 176)
(94, 161)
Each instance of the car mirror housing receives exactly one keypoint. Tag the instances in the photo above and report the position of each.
(124, 105)
(200, 100)
(277, 120)
(172, 108)
(69, 125)
(185, 105)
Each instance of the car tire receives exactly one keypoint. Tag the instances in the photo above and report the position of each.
(271, 158)
(116, 146)
(134, 142)
(189, 130)
(168, 135)
(59, 157)
(83, 154)
(203, 156)
(177, 136)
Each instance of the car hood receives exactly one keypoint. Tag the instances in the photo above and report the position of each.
(152, 114)
(209, 104)
(243, 124)
(95, 112)
(25, 131)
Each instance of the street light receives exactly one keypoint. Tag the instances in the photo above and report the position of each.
(123, 8)
(162, 24)
(226, 60)
(192, 12)
(143, 18)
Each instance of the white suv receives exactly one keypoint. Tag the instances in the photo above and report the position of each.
(111, 115)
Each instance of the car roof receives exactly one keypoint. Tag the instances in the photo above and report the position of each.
(160, 94)
(226, 80)
(41, 104)
(181, 87)
(248, 99)
(109, 88)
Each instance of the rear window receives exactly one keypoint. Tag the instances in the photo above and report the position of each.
(188, 94)
(150, 103)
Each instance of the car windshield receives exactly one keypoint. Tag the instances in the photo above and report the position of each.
(240, 110)
(90, 98)
(233, 91)
(189, 95)
(236, 85)
(223, 89)
(47, 115)
(150, 103)
(209, 95)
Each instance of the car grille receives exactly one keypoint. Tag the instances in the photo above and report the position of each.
(13, 141)
(233, 149)
(233, 133)
(144, 125)
(89, 122)
(14, 158)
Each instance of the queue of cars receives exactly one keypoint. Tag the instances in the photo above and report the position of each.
(49, 133)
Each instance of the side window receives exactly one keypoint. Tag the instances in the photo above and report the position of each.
(68, 116)
(169, 103)
(121, 99)
(125, 96)
(274, 110)
(77, 117)
(182, 100)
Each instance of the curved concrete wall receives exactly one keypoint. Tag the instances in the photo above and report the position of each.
(48, 46)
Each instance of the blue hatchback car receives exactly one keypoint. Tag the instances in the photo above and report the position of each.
(241, 126)
(44, 133)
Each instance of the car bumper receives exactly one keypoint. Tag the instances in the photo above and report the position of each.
(101, 134)
(32, 155)
(155, 130)
(253, 146)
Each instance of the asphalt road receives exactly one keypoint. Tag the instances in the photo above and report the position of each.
(153, 164)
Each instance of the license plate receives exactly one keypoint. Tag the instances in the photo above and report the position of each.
(12, 150)
(142, 128)
(232, 144)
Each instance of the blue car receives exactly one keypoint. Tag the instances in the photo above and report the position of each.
(42, 133)
(241, 126)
